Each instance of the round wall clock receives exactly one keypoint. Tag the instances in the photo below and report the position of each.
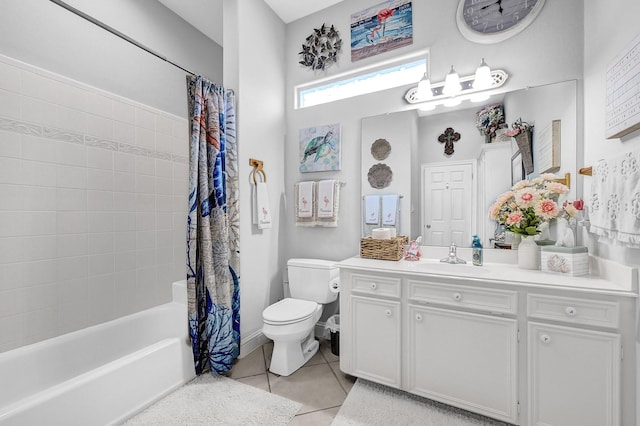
(492, 21)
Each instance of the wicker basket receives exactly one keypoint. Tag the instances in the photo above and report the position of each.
(383, 249)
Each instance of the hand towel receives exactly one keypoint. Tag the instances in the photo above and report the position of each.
(389, 209)
(614, 207)
(309, 220)
(332, 192)
(324, 201)
(261, 211)
(305, 199)
(372, 209)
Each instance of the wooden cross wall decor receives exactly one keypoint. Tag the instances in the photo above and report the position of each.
(448, 138)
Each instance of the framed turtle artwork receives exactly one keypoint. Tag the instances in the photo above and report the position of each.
(320, 148)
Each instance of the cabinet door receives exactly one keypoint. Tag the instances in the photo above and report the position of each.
(574, 376)
(376, 340)
(464, 359)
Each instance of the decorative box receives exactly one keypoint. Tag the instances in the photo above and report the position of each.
(573, 261)
(391, 249)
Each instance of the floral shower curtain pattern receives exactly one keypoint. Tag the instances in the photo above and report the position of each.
(213, 255)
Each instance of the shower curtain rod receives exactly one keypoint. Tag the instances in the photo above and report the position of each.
(118, 33)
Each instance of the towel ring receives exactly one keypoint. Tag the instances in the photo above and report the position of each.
(257, 168)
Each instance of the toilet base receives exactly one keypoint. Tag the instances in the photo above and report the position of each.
(288, 356)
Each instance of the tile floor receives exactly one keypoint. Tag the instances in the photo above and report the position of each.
(319, 385)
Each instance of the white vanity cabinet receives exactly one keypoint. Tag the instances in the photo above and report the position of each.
(573, 365)
(460, 349)
(524, 347)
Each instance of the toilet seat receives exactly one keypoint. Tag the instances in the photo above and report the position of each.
(289, 311)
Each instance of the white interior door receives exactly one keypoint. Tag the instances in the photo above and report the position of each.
(448, 203)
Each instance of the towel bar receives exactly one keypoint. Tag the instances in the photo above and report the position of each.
(257, 168)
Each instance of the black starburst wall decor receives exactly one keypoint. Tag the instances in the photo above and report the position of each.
(448, 138)
(320, 49)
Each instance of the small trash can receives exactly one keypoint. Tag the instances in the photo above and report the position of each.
(333, 325)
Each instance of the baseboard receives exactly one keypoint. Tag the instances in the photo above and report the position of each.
(252, 342)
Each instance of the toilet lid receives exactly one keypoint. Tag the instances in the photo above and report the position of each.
(289, 310)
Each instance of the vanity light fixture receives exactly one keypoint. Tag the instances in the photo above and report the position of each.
(456, 89)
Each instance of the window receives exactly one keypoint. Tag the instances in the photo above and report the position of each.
(361, 82)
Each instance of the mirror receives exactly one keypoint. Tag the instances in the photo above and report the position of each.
(414, 135)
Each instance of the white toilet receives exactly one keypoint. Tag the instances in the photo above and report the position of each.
(290, 323)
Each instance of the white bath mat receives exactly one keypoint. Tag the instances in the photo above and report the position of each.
(370, 404)
(217, 400)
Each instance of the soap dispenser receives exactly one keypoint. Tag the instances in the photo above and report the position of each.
(476, 247)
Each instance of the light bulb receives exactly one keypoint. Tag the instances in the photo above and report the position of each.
(424, 88)
(483, 79)
(452, 84)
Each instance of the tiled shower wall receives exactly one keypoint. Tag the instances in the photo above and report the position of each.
(93, 203)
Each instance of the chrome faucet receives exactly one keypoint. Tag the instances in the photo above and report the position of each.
(453, 256)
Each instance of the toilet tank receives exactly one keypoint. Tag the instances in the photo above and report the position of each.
(311, 279)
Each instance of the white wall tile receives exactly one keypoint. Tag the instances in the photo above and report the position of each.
(40, 87)
(10, 78)
(71, 176)
(164, 186)
(124, 202)
(12, 197)
(100, 179)
(37, 173)
(99, 200)
(71, 154)
(99, 104)
(39, 149)
(145, 184)
(101, 299)
(39, 198)
(145, 166)
(124, 132)
(41, 272)
(125, 261)
(101, 264)
(12, 223)
(181, 171)
(72, 222)
(164, 142)
(164, 124)
(124, 241)
(123, 112)
(124, 182)
(101, 243)
(11, 170)
(145, 118)
(124, 292)
(99, 126)
(180, 128)
(73, 291)
(124, 221)
(40, 223)
(164, 220)
(145, 258)
(145, 240)
(71, 119)
(98, 158)
(71, 199)
(145, 138)
(145, 202)
(71, 245)
(9, 104)
(12, 302)
(145, 221)
(72, 97)
(40, 247)
(164, 238)
(10, 144)
(72, 268)
(124, 162)
(164, 168)
(164, 203)
(100, 221)
(38, 111)
(11, 275)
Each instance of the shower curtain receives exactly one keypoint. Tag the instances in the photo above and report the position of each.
(212, 225)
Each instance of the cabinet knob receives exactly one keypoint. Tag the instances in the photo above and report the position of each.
(545, 338)
(373, 286)
(571, 311)
(418, 317)
(388, 312)
(457, 296)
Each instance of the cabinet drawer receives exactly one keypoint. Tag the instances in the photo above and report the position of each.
(574, 310)
(484, 299)
(376, 285)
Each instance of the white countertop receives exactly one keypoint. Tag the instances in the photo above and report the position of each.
(606, 277)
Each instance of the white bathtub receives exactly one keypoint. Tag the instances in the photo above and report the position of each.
(100, 375)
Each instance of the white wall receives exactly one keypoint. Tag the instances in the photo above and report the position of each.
(93, 164)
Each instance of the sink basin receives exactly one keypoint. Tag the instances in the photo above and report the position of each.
(454, 268)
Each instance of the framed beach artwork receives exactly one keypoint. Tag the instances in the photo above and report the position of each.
(320, 148)
(381, 28)
(517, 171)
